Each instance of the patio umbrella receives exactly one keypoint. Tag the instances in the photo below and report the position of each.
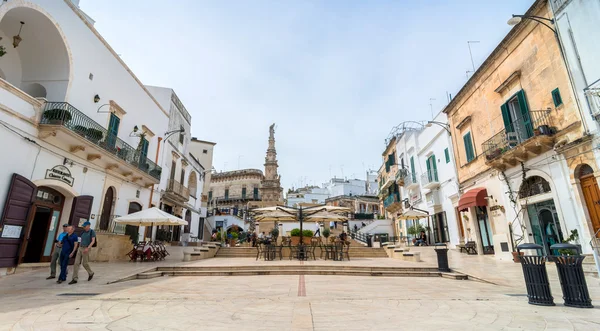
(276, 215)
(271, 209)
(150, 217)
(323, 216)
(413, 215)
(331, 209)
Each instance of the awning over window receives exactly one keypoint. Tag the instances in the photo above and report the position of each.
(474, 197)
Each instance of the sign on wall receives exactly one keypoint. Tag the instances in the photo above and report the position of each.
(11, 231)
(60, 173)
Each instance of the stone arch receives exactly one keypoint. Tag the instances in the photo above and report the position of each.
(583, 170)
(193, 183)
(534, 185)
(61, 187)
(43, 57)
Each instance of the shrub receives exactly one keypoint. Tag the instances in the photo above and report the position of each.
(295, 233)
(234, 235)
(94, 134)
(218, 236)
(326, 233)
(57, 115)
(415, 229)
(275, 233)
(80, 129)
(307, 233)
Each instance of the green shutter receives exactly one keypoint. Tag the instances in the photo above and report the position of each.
(428, 168)
(434, 161)
(412, 169)
(144, 151)
(469, 147)
(447, 155)
(506, 118)
(556, 97)
(113, 130)
(525, 113)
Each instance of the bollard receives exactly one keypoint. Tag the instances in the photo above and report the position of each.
(536, 276)
(442, 257)
(572, 279)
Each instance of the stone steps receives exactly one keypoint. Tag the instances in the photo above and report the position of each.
(324, 270)
(356, 252)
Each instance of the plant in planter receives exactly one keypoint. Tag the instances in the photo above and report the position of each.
(57, 116)
(94, 135)
(233, 239)
(295, 234)
(274, 234)
(80, 129)
(2, 51)
(306, 236)
(326, 232)
(571, 239)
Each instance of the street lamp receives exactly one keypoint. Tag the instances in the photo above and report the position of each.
(446, 126)
(516, 19)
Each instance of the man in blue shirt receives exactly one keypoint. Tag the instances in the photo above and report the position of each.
(56, 253)
(69, 247)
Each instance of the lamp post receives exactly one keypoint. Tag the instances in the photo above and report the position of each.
(516, 19)
(446, 126)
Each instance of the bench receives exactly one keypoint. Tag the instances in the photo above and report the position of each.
(411, 256)
(191, 256)
(470, 248)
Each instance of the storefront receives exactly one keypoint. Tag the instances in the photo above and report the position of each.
(473, 207)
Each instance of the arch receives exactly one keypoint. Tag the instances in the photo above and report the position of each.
(107, 207)
(534, 185)
(583, 170)
(193, 183)
(43, 58)
(61, 187)
(188, 218)
(35, 90)
(134, 207)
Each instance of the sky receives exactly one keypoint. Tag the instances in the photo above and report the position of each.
(334, 75)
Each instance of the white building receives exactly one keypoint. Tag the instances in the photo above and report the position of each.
(69, 107)
(182, 181)
(334, 188)
(426, 177)
(204, 150)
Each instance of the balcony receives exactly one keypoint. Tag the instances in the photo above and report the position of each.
(521, 142)
(177, 192)
(68, 128)
(429, 180)
(363, 216)
(236, 198)
(592, 94)
(433, 198)
(410, 180)
(392, 203)
(401, 175)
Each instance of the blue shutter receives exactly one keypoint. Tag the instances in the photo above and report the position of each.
(113, 130)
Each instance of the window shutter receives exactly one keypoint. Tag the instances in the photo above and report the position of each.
(525, 113)
(412, 168)
(506, 118)
(468, 147)
(447, 155)
(434, 175)
(428, 168)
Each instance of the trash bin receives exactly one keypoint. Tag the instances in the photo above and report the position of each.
(369, 240)
(536, 276)
(572, 279)
(442, 257)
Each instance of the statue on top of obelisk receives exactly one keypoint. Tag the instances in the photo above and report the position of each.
(271, 189)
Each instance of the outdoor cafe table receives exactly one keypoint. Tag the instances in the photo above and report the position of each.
(270, 252)
(334, 252)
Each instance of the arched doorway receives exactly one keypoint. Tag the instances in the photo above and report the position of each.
(535, 194)
(41, 64)
(131, 230)
(188, 218)
(107, 204)
(44, 225)
(591, 194)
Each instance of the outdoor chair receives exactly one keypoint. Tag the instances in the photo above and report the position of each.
(347, 250)
(259, 249)
(314, 242)
(470, 248)
(293, 251)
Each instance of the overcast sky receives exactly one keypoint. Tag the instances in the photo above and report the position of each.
(334, 75)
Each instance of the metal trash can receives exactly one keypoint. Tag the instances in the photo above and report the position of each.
(369, 240)
(536, 276)
(572, 279)
(442, 257)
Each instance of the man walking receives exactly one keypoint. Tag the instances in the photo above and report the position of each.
(69, 247)
(88, 238)
(317, 229)
(56, 253)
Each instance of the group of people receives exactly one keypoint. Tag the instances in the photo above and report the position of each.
(69, 245)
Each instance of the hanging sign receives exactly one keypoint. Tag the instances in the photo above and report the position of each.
(60, 173)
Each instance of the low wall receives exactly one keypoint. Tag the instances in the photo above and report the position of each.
(111, 247)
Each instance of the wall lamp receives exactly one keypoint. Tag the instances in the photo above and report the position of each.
(96, 98)
(516, 19)
(172, 132)
(446, 126)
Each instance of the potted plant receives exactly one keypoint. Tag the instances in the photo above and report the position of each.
(94, 135)
(57, 116)
(295, 234)
(233, 239)
(307, 236)
(2, 51)
(274, 234)
(80, 129)
(326, 233)
(571, 239)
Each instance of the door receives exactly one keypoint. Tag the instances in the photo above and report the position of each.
(131, 230)
(113, 130)
(188, 218)
(591, 193)
(80, 212)
(485, 231)
(38, 231)
(14, 219)
(107, 208)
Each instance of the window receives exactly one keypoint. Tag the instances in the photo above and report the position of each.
(469, 147)
(226, 193)
(113, 130)
(556, 97)
(517, 121)
(209, 195)
(255, 193)
(204, 151)
(181, 134)
(144, 148)
(447, 154)
(173, 166)
(243, 193)
(432, 169)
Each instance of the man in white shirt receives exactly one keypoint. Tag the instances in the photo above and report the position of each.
(317, 229)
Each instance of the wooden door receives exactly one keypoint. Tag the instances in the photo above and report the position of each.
(80, 212)
(15, 215)
(591, 193)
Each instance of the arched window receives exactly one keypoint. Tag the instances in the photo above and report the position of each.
(193, 183)
(534, 185)
(585, 170)
(106, 217)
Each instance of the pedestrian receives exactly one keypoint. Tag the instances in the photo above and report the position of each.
(335, 224)
(87, 240)
(56, 253)
(331, 225)
(355, 228)
(318, 229)
(69, 248)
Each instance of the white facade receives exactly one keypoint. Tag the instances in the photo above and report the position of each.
(334, 188)
(204, 150)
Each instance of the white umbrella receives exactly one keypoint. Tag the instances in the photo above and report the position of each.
(325, 216)
(413, 215)
(272, 209)
(332, 209)
(277, 215)
(150, 217)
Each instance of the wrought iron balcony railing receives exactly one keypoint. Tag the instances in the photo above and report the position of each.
(517, 133)
(429, 177)
(410, 179)
(177, 188)
(391, 199)
(67, 116)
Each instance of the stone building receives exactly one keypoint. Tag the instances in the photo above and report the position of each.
(231, 191)
(520, 144)
(271, 190)
(203, 151)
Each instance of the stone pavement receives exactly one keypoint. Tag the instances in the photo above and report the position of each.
(29, 302)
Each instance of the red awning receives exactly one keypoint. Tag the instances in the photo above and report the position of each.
(474, 197)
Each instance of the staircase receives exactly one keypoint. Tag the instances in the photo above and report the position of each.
(589, 266)
(356, 252)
